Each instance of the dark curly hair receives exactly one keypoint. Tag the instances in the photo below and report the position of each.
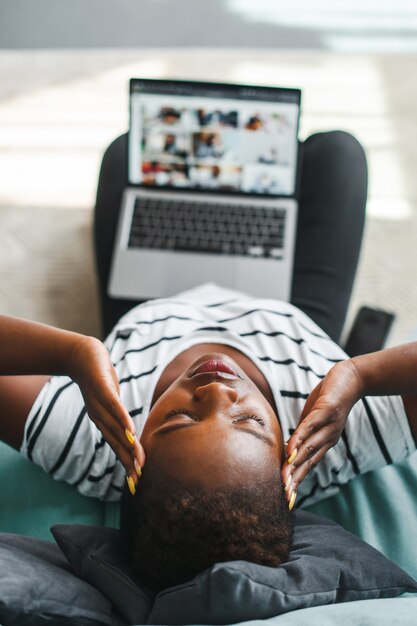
(171, 533)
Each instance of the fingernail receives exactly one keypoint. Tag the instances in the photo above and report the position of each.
(131, 485)
(130, 436)
(292, 457)
(288, 483)
(292, 500)
(137, 468)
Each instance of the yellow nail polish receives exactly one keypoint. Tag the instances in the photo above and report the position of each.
(292, 500)
(137, 468)
(131, 485)
(130, 437)
(292, 457)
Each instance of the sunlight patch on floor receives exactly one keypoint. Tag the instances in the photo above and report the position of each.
(52, 140)
(347, 93)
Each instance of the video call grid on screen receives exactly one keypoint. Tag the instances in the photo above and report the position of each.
(213, 137)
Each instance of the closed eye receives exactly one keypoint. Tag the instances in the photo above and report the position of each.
(187, 412)
(185, 424)
(179, 412)
(250, 417)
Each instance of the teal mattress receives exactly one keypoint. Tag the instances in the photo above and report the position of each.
(380, 507)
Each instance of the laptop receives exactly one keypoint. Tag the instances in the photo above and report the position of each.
(211, 195)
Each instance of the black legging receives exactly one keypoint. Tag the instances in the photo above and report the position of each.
(333, 190)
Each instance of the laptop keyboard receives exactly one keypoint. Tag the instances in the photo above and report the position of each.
(217, 228)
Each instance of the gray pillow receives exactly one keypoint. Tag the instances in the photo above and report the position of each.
(38, 587)
(327, 565)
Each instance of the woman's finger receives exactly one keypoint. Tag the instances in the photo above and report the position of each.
(101, 418)
(110, 400)
(132, 467)
(327, 434)
(122, 454)
(298, 475)
(108, 405)
(314, 421)
(138, 453)
(304, 468)
(125, 438)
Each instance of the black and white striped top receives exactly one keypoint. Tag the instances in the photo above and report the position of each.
(292, 352)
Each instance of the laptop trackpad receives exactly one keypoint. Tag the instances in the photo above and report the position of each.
(188, 270)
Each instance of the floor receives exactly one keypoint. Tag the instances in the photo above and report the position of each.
(60, 108)
(345, 25)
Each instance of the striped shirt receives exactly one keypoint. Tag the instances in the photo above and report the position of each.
(292, 352)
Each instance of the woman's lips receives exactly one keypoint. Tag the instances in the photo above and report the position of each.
(215, 365)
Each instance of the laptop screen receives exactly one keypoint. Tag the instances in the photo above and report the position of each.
(213, 137)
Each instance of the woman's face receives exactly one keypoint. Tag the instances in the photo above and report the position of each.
(214, 428)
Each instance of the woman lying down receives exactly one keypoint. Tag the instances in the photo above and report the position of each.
(192, 401)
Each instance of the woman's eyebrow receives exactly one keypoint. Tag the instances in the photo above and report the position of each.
(173, 427)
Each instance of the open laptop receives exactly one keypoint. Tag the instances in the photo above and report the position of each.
(212, 172)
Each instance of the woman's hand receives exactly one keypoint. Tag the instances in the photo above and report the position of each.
(91, 368)
(321, 423)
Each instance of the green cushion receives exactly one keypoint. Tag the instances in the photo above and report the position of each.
(381, 508)
(32, 502)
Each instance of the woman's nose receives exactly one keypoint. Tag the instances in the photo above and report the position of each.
(213, 392)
